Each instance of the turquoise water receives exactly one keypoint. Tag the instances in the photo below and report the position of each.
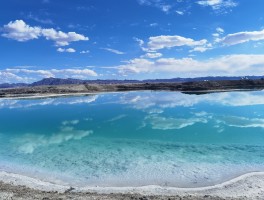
(134, 138)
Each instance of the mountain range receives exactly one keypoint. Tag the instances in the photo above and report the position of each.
(70, 81)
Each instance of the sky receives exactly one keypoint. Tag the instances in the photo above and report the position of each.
(130, 39)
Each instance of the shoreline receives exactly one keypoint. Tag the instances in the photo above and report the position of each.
(54, 95)
(85, 89)
(248, 186)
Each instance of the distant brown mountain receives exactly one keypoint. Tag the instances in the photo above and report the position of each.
(69, 81)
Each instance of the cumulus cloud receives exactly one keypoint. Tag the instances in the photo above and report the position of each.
(218, 4)
(237, 64)
(152, 55)
(43, 73)
(169, 41)
(20, 31)
(72, 72)
(69, 50)
(219, 31)
(61, 38)
(199, 49)
(242, 37)
(113, 51)
(29, 75)
(6, 76)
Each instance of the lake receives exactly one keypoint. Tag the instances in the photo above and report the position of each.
(134, 138)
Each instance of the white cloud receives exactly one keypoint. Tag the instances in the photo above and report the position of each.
(20, 31)
(137, 65)
(209, 2)
(85, 52)
(241, 37)
(141, 44)
(199, 49)
(139, 41)
(42, 73)
(216, 35)
(220, 30)
(29, 75)
(8, 77)
(61, 38)
(73, 72)
(218, 4)
(152, 55)
(179, 12)
(113, 51)
(69, 50)
(229, 65)
(169, 41)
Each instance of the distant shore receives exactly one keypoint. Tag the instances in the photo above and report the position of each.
(248, 186)
(82, 89)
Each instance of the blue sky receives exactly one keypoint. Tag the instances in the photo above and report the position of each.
(130, 39)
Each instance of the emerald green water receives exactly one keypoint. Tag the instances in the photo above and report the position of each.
(134, 138)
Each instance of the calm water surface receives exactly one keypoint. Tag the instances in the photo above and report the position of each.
(134, 138)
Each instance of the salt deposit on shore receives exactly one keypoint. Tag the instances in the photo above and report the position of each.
(248, 186)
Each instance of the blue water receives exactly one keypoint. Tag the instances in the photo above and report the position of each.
(134, 138)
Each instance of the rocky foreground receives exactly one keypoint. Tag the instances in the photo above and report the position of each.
(201, 86)
(8, 191)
